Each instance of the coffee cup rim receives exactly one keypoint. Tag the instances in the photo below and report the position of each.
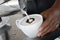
(26, 16)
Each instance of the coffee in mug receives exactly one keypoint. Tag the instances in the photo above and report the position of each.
(30, 27)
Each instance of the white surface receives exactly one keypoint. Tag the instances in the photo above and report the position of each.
(1, 37)
(30, 30)
(8, 7)
(58, 38)
(1, 1)
(4, 21)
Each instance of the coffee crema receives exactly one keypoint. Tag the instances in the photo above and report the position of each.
(30, 20)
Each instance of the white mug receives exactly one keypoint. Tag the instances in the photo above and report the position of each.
(31, 30)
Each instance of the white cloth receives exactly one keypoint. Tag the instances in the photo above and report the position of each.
(4, 21)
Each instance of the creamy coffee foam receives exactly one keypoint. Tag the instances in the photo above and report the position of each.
(30, 20)
(36, 20)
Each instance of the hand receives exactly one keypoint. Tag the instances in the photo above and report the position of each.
(50, 24)
(52, 19)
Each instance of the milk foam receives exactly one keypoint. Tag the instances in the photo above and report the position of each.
(24, 23)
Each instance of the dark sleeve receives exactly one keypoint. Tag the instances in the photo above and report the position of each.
(38, 6)
(31, 7)
(59, 25)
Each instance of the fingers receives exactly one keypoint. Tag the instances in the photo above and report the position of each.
(48, 26)
(46, 23)
(44, 26)
(41, 31)
(45, 15)
(57, 25)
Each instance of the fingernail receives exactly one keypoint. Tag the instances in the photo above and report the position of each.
(40, 29)
(39, 34)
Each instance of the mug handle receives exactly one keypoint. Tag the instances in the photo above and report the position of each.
(17, 22)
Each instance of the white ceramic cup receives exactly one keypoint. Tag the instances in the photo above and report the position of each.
(31, 30)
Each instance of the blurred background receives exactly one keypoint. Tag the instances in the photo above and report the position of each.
(11, 10)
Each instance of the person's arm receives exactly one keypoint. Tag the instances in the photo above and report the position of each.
(52, 19)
